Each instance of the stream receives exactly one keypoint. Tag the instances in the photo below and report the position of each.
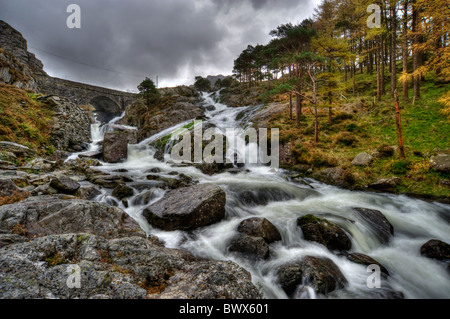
(282, 202)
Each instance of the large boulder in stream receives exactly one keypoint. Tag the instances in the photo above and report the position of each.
(187, 208)
(259, 227)
(324, 232)
(436, 249)
(378, 223)
(319, 273)
(115, 145)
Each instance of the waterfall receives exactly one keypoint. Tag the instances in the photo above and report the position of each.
(282, 201)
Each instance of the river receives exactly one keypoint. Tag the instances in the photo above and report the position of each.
(282, 201)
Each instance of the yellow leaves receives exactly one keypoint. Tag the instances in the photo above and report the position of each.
(445, 100)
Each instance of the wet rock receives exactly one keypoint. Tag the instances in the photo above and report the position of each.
(320, 273)
(172, 182)
(122, 191)
(436, 249)
(115, 145)
(187, 208)
(146, 197)
(250, 246)
(385, 184)
(44, 215)
(380, 225)
(259, 227)
(263, 196)
(122, 268)
(324, 232)
(366, 261)
(93, 154)
(362, 159)
(64, 184)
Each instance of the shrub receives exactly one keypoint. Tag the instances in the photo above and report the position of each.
(400, 167)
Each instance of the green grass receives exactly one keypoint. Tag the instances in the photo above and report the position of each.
(425, 130)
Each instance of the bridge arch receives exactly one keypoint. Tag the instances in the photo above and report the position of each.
(105, 108)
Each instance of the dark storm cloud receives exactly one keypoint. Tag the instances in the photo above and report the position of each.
(174, 39)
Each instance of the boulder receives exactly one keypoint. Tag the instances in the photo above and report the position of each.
(385, 184)
(441, 163)
(379, 224)
(122, 191)
(187, 208)
(87, 192)
(336, 176)
(115, 145)
(324, 232)
(262, 196)
(250, 246)
(259, 227)
(436, 249)
(366, 261)
(319, 273)
(362, 159)
(61, 214)
(120, 268)
(64, 184)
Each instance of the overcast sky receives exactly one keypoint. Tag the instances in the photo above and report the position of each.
(174, 39)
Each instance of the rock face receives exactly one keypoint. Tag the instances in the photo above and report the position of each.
(121, 268)
(71, 125)
(436, 249)
(380, 225)
(115, 145)
(17, 66)
(187, 208)
(362, 159)
(324, 232)
(320, 273)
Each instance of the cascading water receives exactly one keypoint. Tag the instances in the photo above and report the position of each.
(282, 202)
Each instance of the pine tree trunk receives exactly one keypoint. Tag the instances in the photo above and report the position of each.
(393, 49)
(415, 53)
(405, 51)
(299, 107)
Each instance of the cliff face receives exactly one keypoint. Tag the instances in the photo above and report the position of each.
(18, 66)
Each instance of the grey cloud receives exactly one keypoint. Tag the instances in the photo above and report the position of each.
(176, 39)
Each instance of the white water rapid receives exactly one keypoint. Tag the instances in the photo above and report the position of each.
(415, 221)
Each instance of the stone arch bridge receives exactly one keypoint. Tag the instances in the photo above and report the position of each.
(108, 103)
